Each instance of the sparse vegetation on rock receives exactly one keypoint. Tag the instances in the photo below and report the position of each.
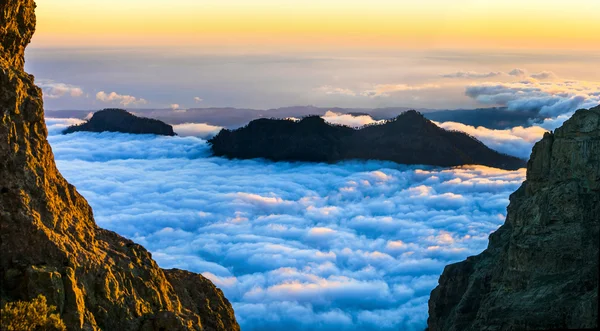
(31, 315)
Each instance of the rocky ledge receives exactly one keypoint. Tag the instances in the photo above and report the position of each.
(119, 120)
(540, 270)
(50, 244)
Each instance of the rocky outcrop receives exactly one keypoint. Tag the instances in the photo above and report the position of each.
(50, 244)
(540, 270)
(119, 120)
(408, 139)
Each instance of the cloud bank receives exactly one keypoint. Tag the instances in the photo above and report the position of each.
(297, 246)
(54, 90)
(348, 119)
(472, 74)
(517, 141)
(201, 130)
(550, 99)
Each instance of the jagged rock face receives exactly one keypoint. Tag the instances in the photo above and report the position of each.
(50, 243)
(540, 270)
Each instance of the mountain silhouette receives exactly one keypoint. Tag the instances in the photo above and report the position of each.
(119, 120)
(409, 138)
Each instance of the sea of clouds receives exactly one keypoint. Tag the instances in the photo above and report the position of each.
(296, 246)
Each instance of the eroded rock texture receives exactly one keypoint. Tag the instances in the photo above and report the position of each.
(50, 243)
(540, 270)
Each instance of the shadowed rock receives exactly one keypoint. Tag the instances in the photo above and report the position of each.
(119, 120)
(408, 139)
(49, 242)
(540, 270)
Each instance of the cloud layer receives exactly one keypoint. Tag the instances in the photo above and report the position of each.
(54, 90)
(550, 99)
(348, 119)
(354, 245)
(517, 141)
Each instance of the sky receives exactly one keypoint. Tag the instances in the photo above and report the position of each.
(296, 246)
(293, 24)
(180, 54)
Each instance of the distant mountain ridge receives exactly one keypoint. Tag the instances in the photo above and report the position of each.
(120, 120)
(410, 138)
(232, 118)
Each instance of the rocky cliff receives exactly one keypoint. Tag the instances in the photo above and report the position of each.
(540, 270)
(119, 120)
(50, 244)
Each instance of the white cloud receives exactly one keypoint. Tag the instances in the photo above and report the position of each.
(544, 75)
(201, 130)
(516, 141)
(54, 90)
(174, 106)
(198, 99)
(549, 98)
(57, 125)
(348, 120)
(472, 74)
(328, 89)
(518, 72)
(298, 246)
(124, 100)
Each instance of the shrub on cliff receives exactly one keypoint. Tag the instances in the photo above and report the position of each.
(31, 315)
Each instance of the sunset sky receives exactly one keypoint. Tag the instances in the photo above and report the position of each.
(90, 54)
(538, 24)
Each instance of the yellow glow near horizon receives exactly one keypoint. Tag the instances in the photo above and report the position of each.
(547, 24)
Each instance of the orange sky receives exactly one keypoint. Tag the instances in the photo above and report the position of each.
(426, 24)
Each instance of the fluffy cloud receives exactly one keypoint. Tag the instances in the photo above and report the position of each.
(201, 130)
(57, 125)
(198, 99)
(174, 106)
(124, 100)
(328, 89)
(54, 90)
(516, 141)
(298, 246)
(472, 74)
(544, 75)
(549, 98)
(517, 72)
(348, 120)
